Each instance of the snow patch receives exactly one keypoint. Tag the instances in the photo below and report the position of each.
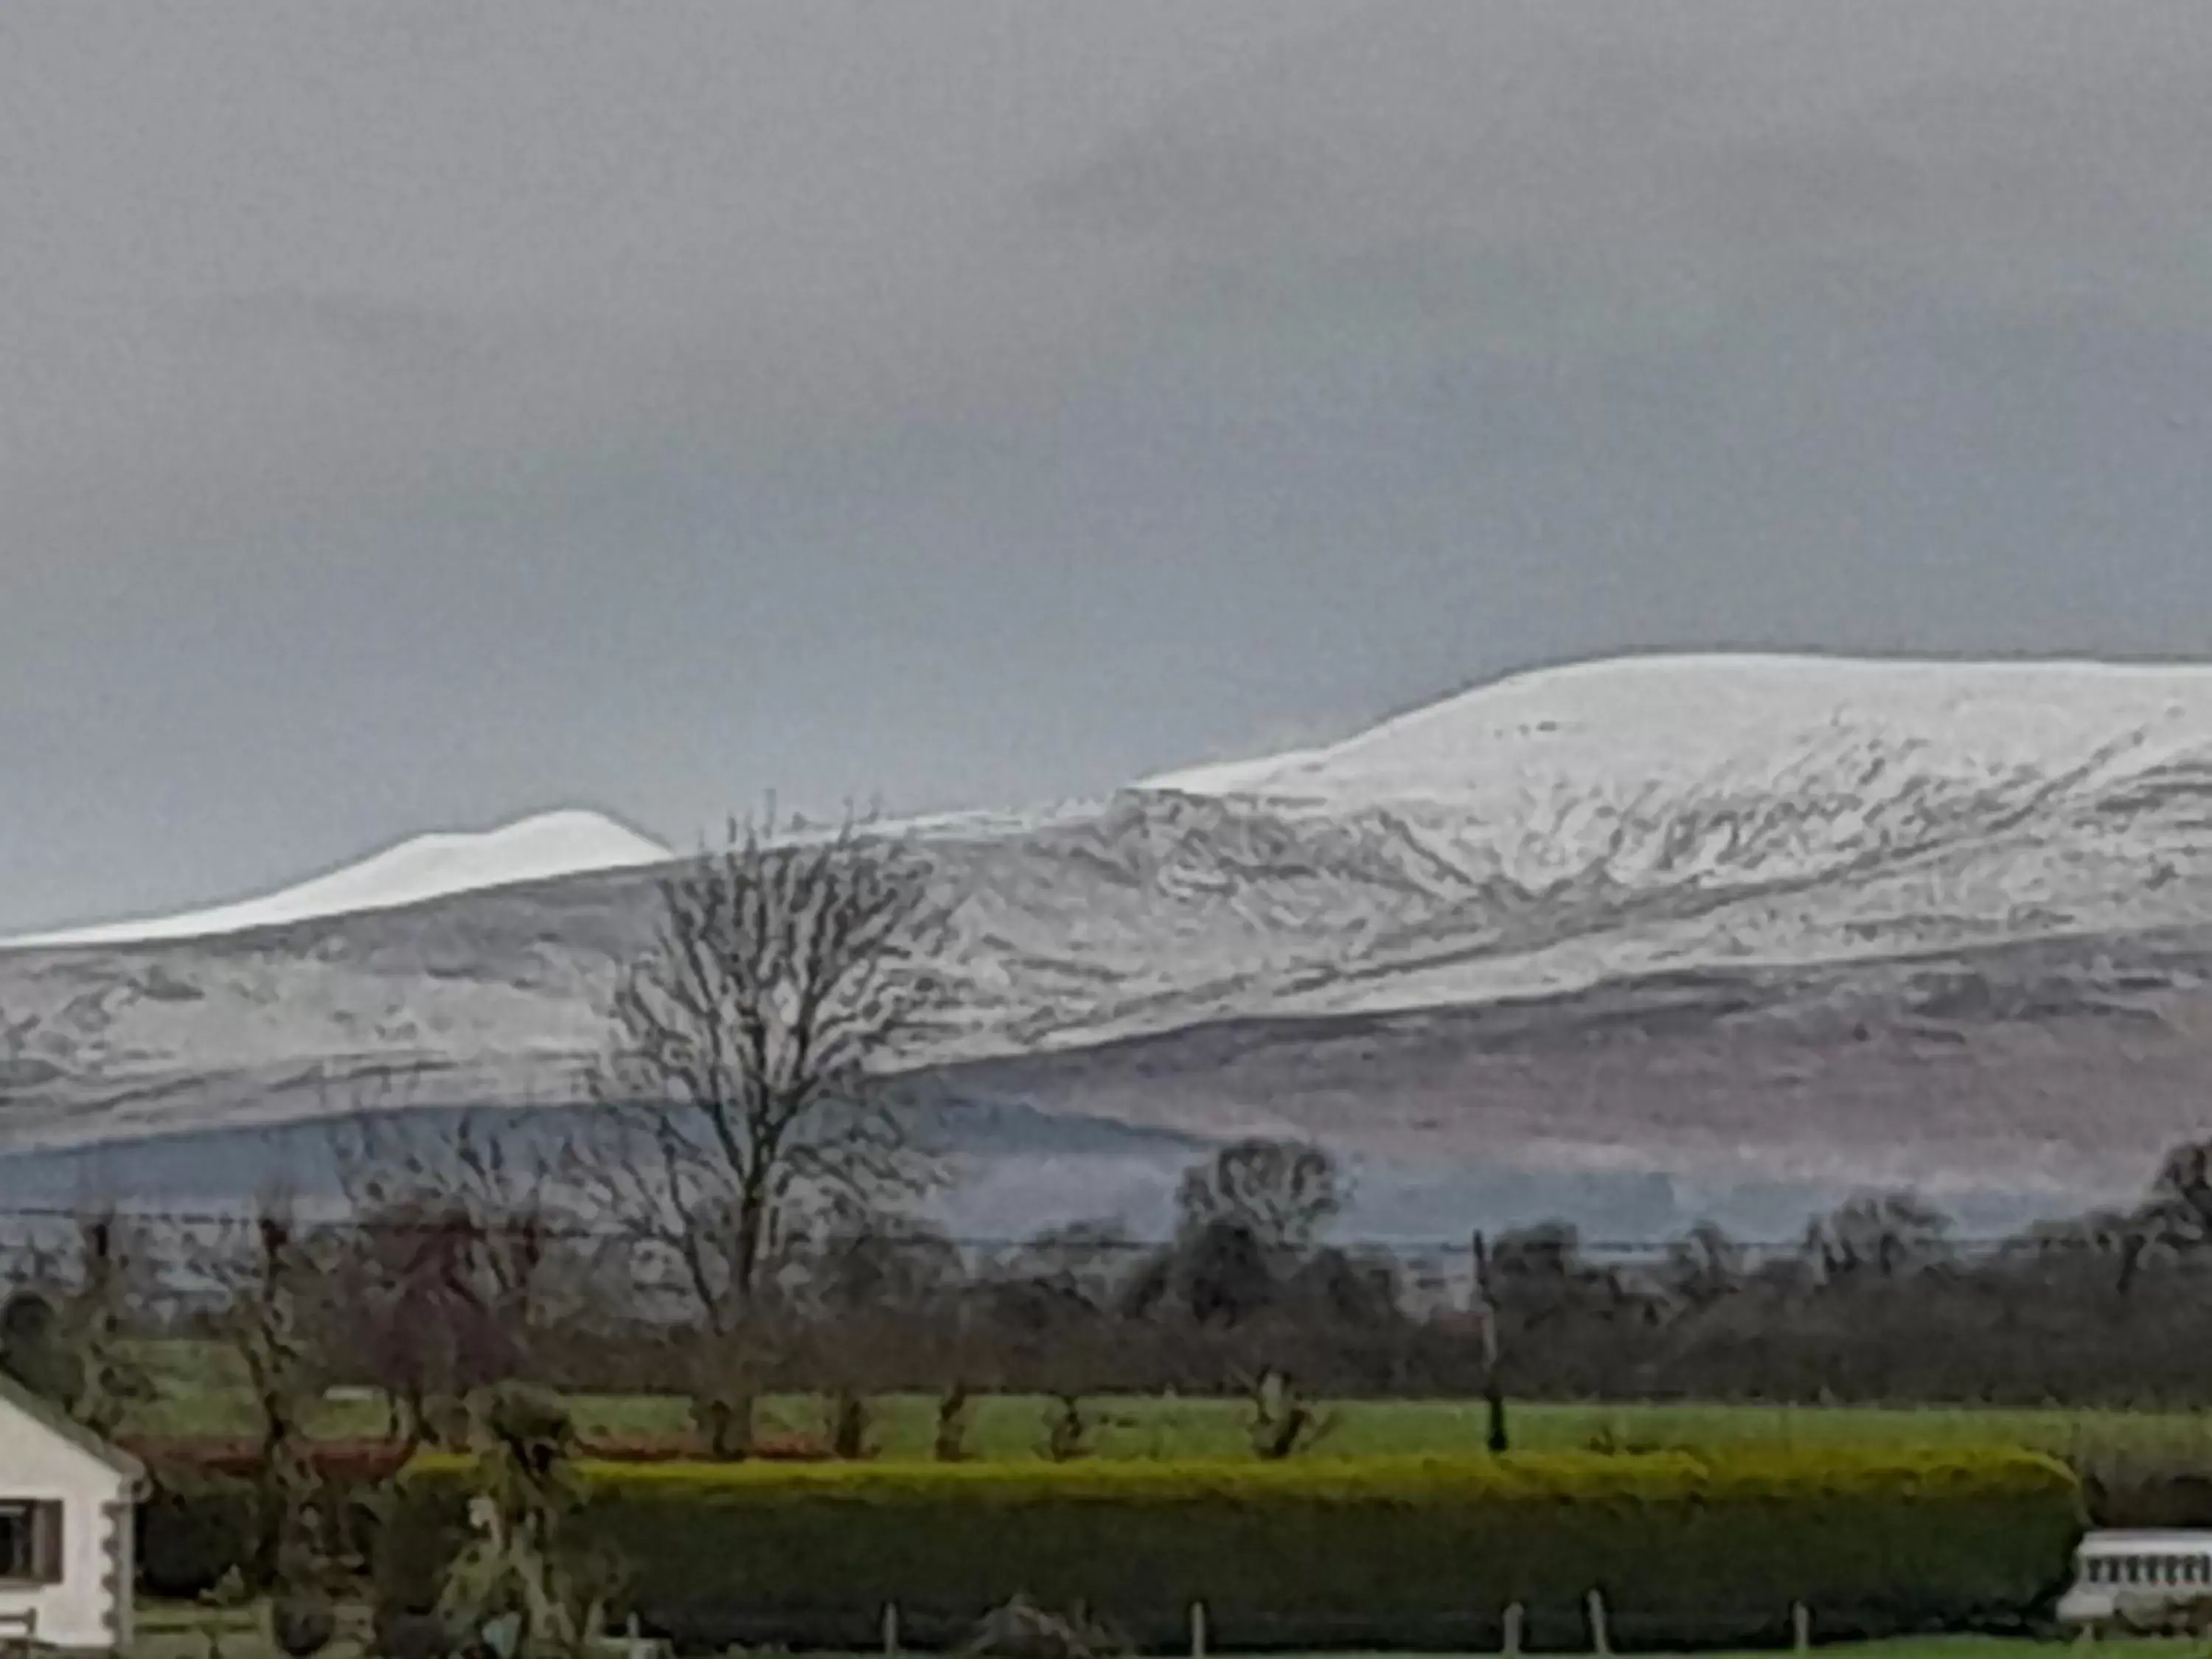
(426, 867)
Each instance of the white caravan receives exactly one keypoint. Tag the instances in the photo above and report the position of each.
(2137, 1578)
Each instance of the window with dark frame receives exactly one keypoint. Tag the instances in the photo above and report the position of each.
(30, 1542)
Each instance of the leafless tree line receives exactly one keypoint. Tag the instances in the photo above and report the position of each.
(461, 1272)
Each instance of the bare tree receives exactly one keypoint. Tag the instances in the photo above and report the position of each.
(1080, 1264)
(743, 1092)
(2174, 1219)
(97, 1317)
(1540, 1277)
(2180, 1197)
(494, 1176)
(1884, 1236)
(1248, 1221)
(1283, 1193)
(889, 1265)
(1282, 1426)
(467, 1259)
(1703, 1266)
(66, 1331)
(269, 1266)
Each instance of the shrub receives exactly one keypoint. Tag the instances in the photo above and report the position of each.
(1315, 1551)
(1022, 1629)
(193, 1530)
(413, 1636)
(301, 1623)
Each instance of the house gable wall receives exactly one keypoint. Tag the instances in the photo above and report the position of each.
(90, 1608)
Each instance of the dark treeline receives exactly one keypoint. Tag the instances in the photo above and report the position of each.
(1878, 1301)
(463, 1265)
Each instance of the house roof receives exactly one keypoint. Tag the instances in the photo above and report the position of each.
(50, 1417)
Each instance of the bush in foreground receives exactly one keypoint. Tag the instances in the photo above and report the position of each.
(1395, 1551)
(193, 1530)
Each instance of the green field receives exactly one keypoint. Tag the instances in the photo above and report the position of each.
(174, 1633)
(202, 1394)
(1935, 1647)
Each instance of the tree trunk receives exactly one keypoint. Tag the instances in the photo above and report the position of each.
(848, 1433)
(727, 1416)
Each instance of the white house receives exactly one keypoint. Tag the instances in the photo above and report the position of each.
(68, 1500)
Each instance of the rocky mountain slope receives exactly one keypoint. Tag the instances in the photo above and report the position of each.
(1740, 926)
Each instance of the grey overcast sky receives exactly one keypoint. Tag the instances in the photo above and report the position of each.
(414, 415)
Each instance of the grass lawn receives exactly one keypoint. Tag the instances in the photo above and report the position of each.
(1935, 1647)
(169, 1631)
(202, 1392)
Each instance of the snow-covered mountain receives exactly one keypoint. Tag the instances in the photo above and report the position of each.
(1725, 919)
(425, 867)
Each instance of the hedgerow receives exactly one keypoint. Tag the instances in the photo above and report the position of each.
(1319, 1551)
(199, 1519)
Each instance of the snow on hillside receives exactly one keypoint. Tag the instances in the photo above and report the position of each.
(1552, 832)
(1663, 771)
(1566, 826)
(1635, 723)
(426, 867)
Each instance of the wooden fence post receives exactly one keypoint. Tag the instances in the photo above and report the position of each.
(1198, 1630)
(1800, 1627)
(1514, 1618)
(891, 1630)
(1493, 1386)
(1601, 1639)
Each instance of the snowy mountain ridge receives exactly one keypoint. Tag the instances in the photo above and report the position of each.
(1636, 773)
(1777, 764)
(1817, 896)
(1616, 818)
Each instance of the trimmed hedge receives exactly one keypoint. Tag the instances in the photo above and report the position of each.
(1316, 1553)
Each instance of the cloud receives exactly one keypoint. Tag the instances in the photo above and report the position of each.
(375, 332)
(1535, 179)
